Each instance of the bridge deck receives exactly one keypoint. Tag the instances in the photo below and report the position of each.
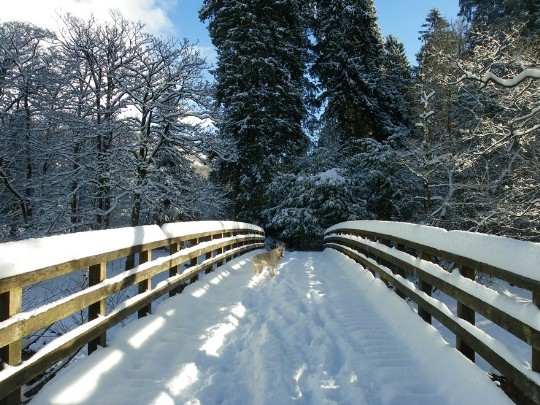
(322, 331)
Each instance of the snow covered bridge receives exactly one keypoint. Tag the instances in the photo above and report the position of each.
(326, 329)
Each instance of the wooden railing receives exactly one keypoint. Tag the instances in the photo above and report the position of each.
(201, 246)
(394, 251)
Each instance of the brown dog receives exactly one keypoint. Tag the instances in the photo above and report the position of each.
(268, 259)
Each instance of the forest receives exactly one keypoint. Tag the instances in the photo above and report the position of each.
(311, 117)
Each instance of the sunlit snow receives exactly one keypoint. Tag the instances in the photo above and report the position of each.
(321, 331)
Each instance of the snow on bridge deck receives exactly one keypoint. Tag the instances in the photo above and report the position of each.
(322, 331)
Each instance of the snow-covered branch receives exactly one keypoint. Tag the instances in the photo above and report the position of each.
(490, 77)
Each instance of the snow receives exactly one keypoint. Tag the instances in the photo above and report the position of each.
(330, 177)
(31, 254)
(322, 331)
(496, 251)
(15, 257)
(178, 229)
(526, 312)
(511, 82)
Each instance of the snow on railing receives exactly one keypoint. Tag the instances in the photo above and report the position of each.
(200, 246)
(410, 258)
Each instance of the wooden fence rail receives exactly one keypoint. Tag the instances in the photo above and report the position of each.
(201, 246)
(393, 251)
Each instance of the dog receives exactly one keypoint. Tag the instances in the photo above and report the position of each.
(268, 259)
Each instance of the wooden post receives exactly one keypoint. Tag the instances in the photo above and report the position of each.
(399, 271)
(221, 250)
(194, 261)
(535, 364)
(228, 247)
(11, 304)
(369, 255)
(233, 245)
(425, 287)
(390, 266)
(96, 274)
(173, 271)
(468, 314)
(209, 255)
(145, 285)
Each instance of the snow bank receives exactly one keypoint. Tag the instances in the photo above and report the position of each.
(177, 229)
(524, 310)
(323, 331)
(519, 257)
(32, 254)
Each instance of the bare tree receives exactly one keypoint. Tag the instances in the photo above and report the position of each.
(24, 73)
(503, 72)
(103, 125)
(170, 123)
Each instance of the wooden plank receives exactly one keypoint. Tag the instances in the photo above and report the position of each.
(514, 375)
(508, 276)
(215, 234)
(145, 285)
(96, 274)
(77, 338)
(16, 329)
(466, 313)
(57, 270)
(11, 304)
(523, 331)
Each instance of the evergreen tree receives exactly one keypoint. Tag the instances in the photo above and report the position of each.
(261, 47)
(397, 77)
(348, 62)
(373, 168)
(503, 13)
(319, 194)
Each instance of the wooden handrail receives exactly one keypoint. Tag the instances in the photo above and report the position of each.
(216, 244)
(391, 256)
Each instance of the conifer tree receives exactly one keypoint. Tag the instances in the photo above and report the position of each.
(397, 76)
(349, 51)
(503, 13)
(259, 83)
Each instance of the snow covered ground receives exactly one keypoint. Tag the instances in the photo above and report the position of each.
(321, 332)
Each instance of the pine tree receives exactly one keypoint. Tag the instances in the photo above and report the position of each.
(261, 48)
(397, 78)
(349, 54)
(503, 14)
(302, 204)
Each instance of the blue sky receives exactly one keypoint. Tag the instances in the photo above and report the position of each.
(401, 18)
(404, 18)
